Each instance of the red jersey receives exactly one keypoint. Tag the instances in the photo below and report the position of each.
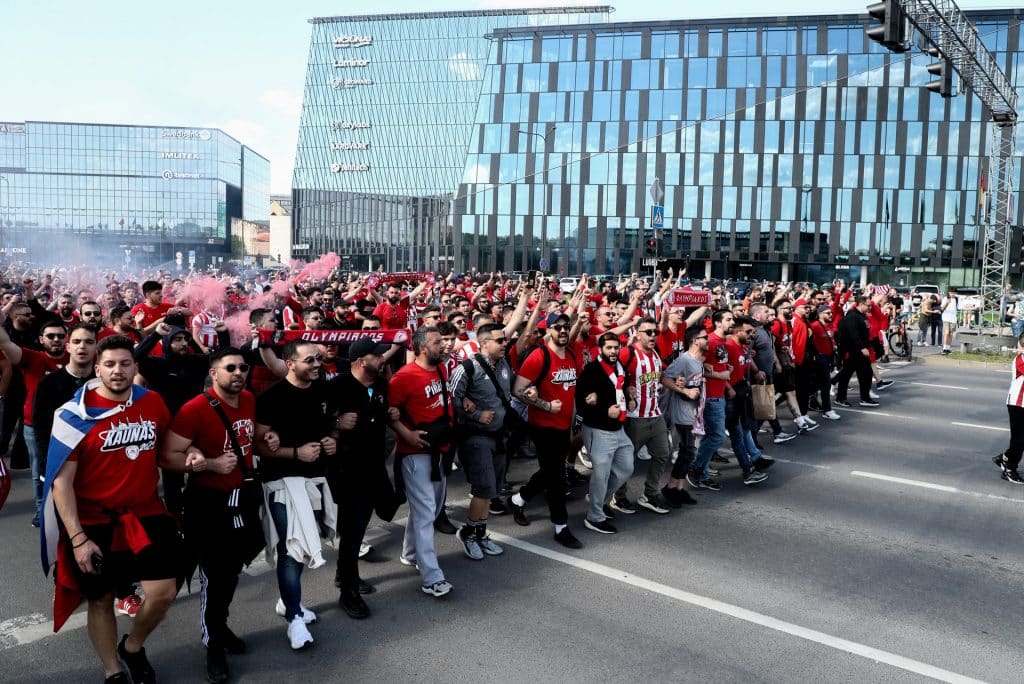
(717, 356)
(800, 337)
(823, 339)
(152, 315)
(419, 395)
(34, 366)
(644, 372)
(783, 334)
(133, 335)
(393, 317)
(558, 383)
(117, 460)
(1015, 397)
(198, 421)
(671, 343)
(737, 359)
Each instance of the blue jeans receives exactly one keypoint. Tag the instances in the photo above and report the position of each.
(1018, 328)
(38, 467)
(714, 435)
(742, 440)
(289, 570)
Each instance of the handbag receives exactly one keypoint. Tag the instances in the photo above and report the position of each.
(513, 421)
(763, 397)
(244, 505)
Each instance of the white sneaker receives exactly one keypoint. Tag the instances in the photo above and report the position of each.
(810, 421)
(643, 455)
(584, 461)
(871, 393)
(831, 415)
(308, 616)
(805, 423)
(438, 589)
(364, 549)
(298, 634)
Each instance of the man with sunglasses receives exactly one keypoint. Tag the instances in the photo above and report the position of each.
(482, 449)
(199, 437)
(92, 315)
(34, 366)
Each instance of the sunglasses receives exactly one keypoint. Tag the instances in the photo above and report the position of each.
(372, 328)
(232, 367)
(55, 336)
(560, 327)
(701, 337)
(91, 314)
(459, 321)
(500, 340)
(652, 331)
(319, 358)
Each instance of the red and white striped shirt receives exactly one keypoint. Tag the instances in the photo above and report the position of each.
(467, 350)
(202, 327)
(1016, 394)
(644, 370)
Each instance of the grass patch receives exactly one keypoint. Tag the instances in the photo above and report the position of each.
(983, 356)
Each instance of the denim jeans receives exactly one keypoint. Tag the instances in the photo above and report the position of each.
(742, 441)
(289, 570)
(38, 467)
(714, 434)
(1018, 327)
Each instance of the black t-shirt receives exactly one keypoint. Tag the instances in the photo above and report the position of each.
(298, 416)
(364, 444)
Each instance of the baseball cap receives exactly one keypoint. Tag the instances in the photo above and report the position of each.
(823, 308)
(365, 346)
(799, 302)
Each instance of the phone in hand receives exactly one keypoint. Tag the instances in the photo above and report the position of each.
(97, 563)
(531, 280)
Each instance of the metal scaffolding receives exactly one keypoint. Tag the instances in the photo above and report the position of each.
(944, 25)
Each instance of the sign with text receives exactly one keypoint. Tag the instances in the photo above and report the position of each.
(685, 296)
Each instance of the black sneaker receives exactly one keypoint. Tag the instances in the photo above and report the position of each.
(763, 463)
(138, 666)
(497, 508)
(693, 479)
(841, 403)
(718, 458)
(678, 496)
(443, 525)
(714, 472)
(609, 512)
(869, 403)
(118, 678)
(518, 513)
(669, 498)
(708, 483)
(231, 642)
(363, 588)
(655, 504)
(567, 539)
(354, 605)
(882, 384)
(604, 527)
(1012, 476)
(622, 505)
(216, 666)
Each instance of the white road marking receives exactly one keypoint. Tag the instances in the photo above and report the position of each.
(981, 427)
(875, 413)
(801, 463)
(898, 661)
(928, 384)
(930, 485)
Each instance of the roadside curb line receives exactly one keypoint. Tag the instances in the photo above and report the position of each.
(938, 360)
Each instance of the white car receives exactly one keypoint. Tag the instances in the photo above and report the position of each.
(568, 285)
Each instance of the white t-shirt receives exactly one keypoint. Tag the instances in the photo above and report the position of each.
(949, 312)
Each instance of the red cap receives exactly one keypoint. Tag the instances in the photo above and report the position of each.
(799, 302)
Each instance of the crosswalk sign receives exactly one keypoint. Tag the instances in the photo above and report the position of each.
(657, 216)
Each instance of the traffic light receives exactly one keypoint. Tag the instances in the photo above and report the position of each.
(892, 31)
(943, 71)
(652, 247)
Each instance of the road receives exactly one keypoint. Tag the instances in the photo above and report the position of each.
(884, 547)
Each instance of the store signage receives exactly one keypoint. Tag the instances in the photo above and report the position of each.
(348, 168)
(348, 63)
(352, 41)
(12, 128)
(684, 296)
(185, 134)
(350, 82)
(179, 155)
(350, 146)
(13, 250)
(349, 125)
(170, 175)
(301, 245)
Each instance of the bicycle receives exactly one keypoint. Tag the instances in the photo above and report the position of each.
(899, 341)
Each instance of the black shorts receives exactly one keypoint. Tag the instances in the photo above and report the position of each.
(879, 348)
(785, 380)
(164, 558)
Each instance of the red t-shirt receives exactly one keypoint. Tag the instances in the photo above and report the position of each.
(738, 360)
(152, 315)
(34, 366)
(559, 383)
(117, 460)
(670, 343)
(418, 394)
(199, 422)
(393, 317)
(718, 357)
(823, 339)
(134, 335)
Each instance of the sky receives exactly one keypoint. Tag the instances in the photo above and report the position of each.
(229, 64)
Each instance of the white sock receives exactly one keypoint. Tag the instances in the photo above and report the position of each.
(518, 500)
(559, 528)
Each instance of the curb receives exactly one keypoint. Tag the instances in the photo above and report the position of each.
(938, 360)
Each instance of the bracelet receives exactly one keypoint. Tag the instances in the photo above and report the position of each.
(75, 535)
(75, 546)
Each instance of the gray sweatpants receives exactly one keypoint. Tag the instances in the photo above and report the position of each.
(612, 456)
(426, 499)
(652, 433)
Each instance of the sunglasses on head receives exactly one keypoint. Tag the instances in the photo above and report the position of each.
(232, 367)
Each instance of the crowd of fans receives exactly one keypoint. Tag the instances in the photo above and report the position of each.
(176, 426)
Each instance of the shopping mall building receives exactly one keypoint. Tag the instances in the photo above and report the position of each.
(115, 195)
(788, 147)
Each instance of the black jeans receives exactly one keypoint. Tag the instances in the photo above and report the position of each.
(220, 562)
(861, 365)
(822, 383)
(1013, 452)
(551, 445)
(687, 450)
(805, 385)
(355, 509)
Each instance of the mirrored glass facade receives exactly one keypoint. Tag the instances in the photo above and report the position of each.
(84, 190)
(389, 107)
(788, 148)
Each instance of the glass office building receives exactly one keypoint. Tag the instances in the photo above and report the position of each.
(789, 147)
(80, 193)
(389, 107)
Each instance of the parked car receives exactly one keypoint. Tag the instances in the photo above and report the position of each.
(918, 292)
(568, 285)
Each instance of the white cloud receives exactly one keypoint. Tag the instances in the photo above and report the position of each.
(464, 67)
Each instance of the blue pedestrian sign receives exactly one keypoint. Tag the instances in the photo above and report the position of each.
(657, 216)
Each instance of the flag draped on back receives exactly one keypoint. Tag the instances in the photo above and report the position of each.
(982, 192)
(71, 423)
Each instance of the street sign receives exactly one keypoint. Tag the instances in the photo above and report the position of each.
(544, 264)
(656, 190)
(191, 257)
(657, 216)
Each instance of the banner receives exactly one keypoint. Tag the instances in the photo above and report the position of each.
(273, 338)
(685, 296)
(377, 279)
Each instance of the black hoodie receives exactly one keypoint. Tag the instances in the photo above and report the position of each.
(176, 378)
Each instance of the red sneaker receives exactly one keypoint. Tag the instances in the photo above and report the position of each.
(129, 605)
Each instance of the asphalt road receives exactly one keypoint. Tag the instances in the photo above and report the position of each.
(884, 548)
